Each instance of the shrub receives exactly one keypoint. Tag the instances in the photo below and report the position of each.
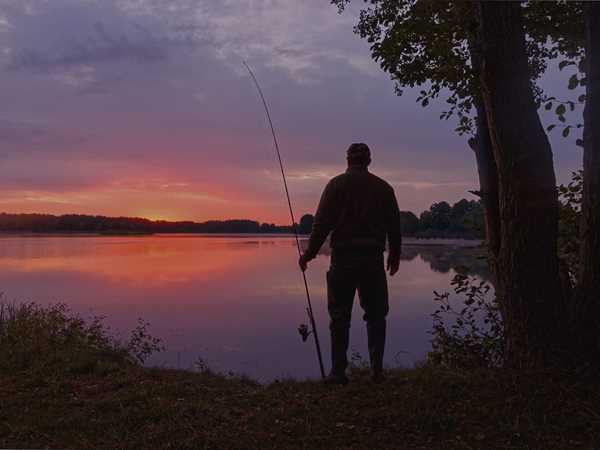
(474, 338)
(54, 339)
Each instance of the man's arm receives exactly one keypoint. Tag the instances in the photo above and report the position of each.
(393, 233)
(322, 225)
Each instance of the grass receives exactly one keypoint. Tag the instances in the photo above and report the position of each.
(47, 402)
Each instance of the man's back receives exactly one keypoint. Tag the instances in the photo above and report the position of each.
(360, 211)
(364, 210)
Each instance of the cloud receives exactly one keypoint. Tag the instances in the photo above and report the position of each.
(94, 48)
(34, 135)
(88, 33)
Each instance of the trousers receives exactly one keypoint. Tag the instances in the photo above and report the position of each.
(352, 272)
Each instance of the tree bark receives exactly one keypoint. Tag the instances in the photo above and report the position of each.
(484, 157)
(486, 165)
(488, 182)
(588, 291)
(488, 186)
(529, 288)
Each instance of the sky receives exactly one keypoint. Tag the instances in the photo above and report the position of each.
(143, 108)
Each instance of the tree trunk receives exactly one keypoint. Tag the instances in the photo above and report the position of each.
(588, 292)
(529, 288)
(488, 182)
(486, 165)
(484, 157)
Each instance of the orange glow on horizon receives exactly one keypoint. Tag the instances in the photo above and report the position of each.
(162, 204)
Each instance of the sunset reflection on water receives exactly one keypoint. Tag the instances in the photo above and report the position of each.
(234, 301)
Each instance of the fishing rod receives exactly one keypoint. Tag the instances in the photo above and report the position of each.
(309, 310)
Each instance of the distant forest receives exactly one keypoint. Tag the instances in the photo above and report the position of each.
(462, 220)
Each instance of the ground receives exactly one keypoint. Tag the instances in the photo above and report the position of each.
(422, 408)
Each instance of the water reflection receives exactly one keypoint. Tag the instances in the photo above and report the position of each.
(234, 301)
(443, 255)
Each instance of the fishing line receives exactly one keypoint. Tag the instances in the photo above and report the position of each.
(309, 310)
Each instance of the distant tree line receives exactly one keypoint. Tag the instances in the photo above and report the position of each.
(462, 220)
(79, 223)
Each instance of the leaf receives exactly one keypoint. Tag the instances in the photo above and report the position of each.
(560, 110)
(573, 82)
(564, 63)
(551, 127)
(581, 98)
(548, 106)
(566, 131)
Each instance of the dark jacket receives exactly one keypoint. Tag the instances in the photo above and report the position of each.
(360, 210)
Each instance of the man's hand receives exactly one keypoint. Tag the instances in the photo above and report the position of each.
(303, 263)
(393, 264)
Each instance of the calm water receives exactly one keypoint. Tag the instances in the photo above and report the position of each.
(234, 301)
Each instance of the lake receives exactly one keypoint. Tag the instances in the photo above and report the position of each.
(233, 301)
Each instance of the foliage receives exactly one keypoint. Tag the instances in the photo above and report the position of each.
(53, 339)
(409, 223)
(569, 218)
(463, 219)
(437, 218)
(142, 344)
(428, 44)
(306, 223)
(564, 24)
(422, 43)
(475, 337)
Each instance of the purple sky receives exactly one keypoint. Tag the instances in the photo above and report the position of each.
(143, 107)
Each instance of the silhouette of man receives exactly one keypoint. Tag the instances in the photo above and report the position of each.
(360, 211)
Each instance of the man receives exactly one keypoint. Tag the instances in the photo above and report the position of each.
(360, 211)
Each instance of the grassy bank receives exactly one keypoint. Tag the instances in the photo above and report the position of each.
(103, 398)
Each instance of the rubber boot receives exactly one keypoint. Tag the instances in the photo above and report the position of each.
(340, 336)
(376, 338)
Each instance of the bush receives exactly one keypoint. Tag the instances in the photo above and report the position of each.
(474, 338)
(54, 339)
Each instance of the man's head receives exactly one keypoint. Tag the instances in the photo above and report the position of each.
(358, 155)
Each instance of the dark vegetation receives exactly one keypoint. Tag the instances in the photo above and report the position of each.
(66, 383)
(463, 220)
(468, 330)
(79, 223)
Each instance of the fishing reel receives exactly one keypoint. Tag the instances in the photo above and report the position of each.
(304, 331)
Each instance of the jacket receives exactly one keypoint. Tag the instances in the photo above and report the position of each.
(360, 211)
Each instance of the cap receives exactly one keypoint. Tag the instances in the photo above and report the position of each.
(359, 152)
